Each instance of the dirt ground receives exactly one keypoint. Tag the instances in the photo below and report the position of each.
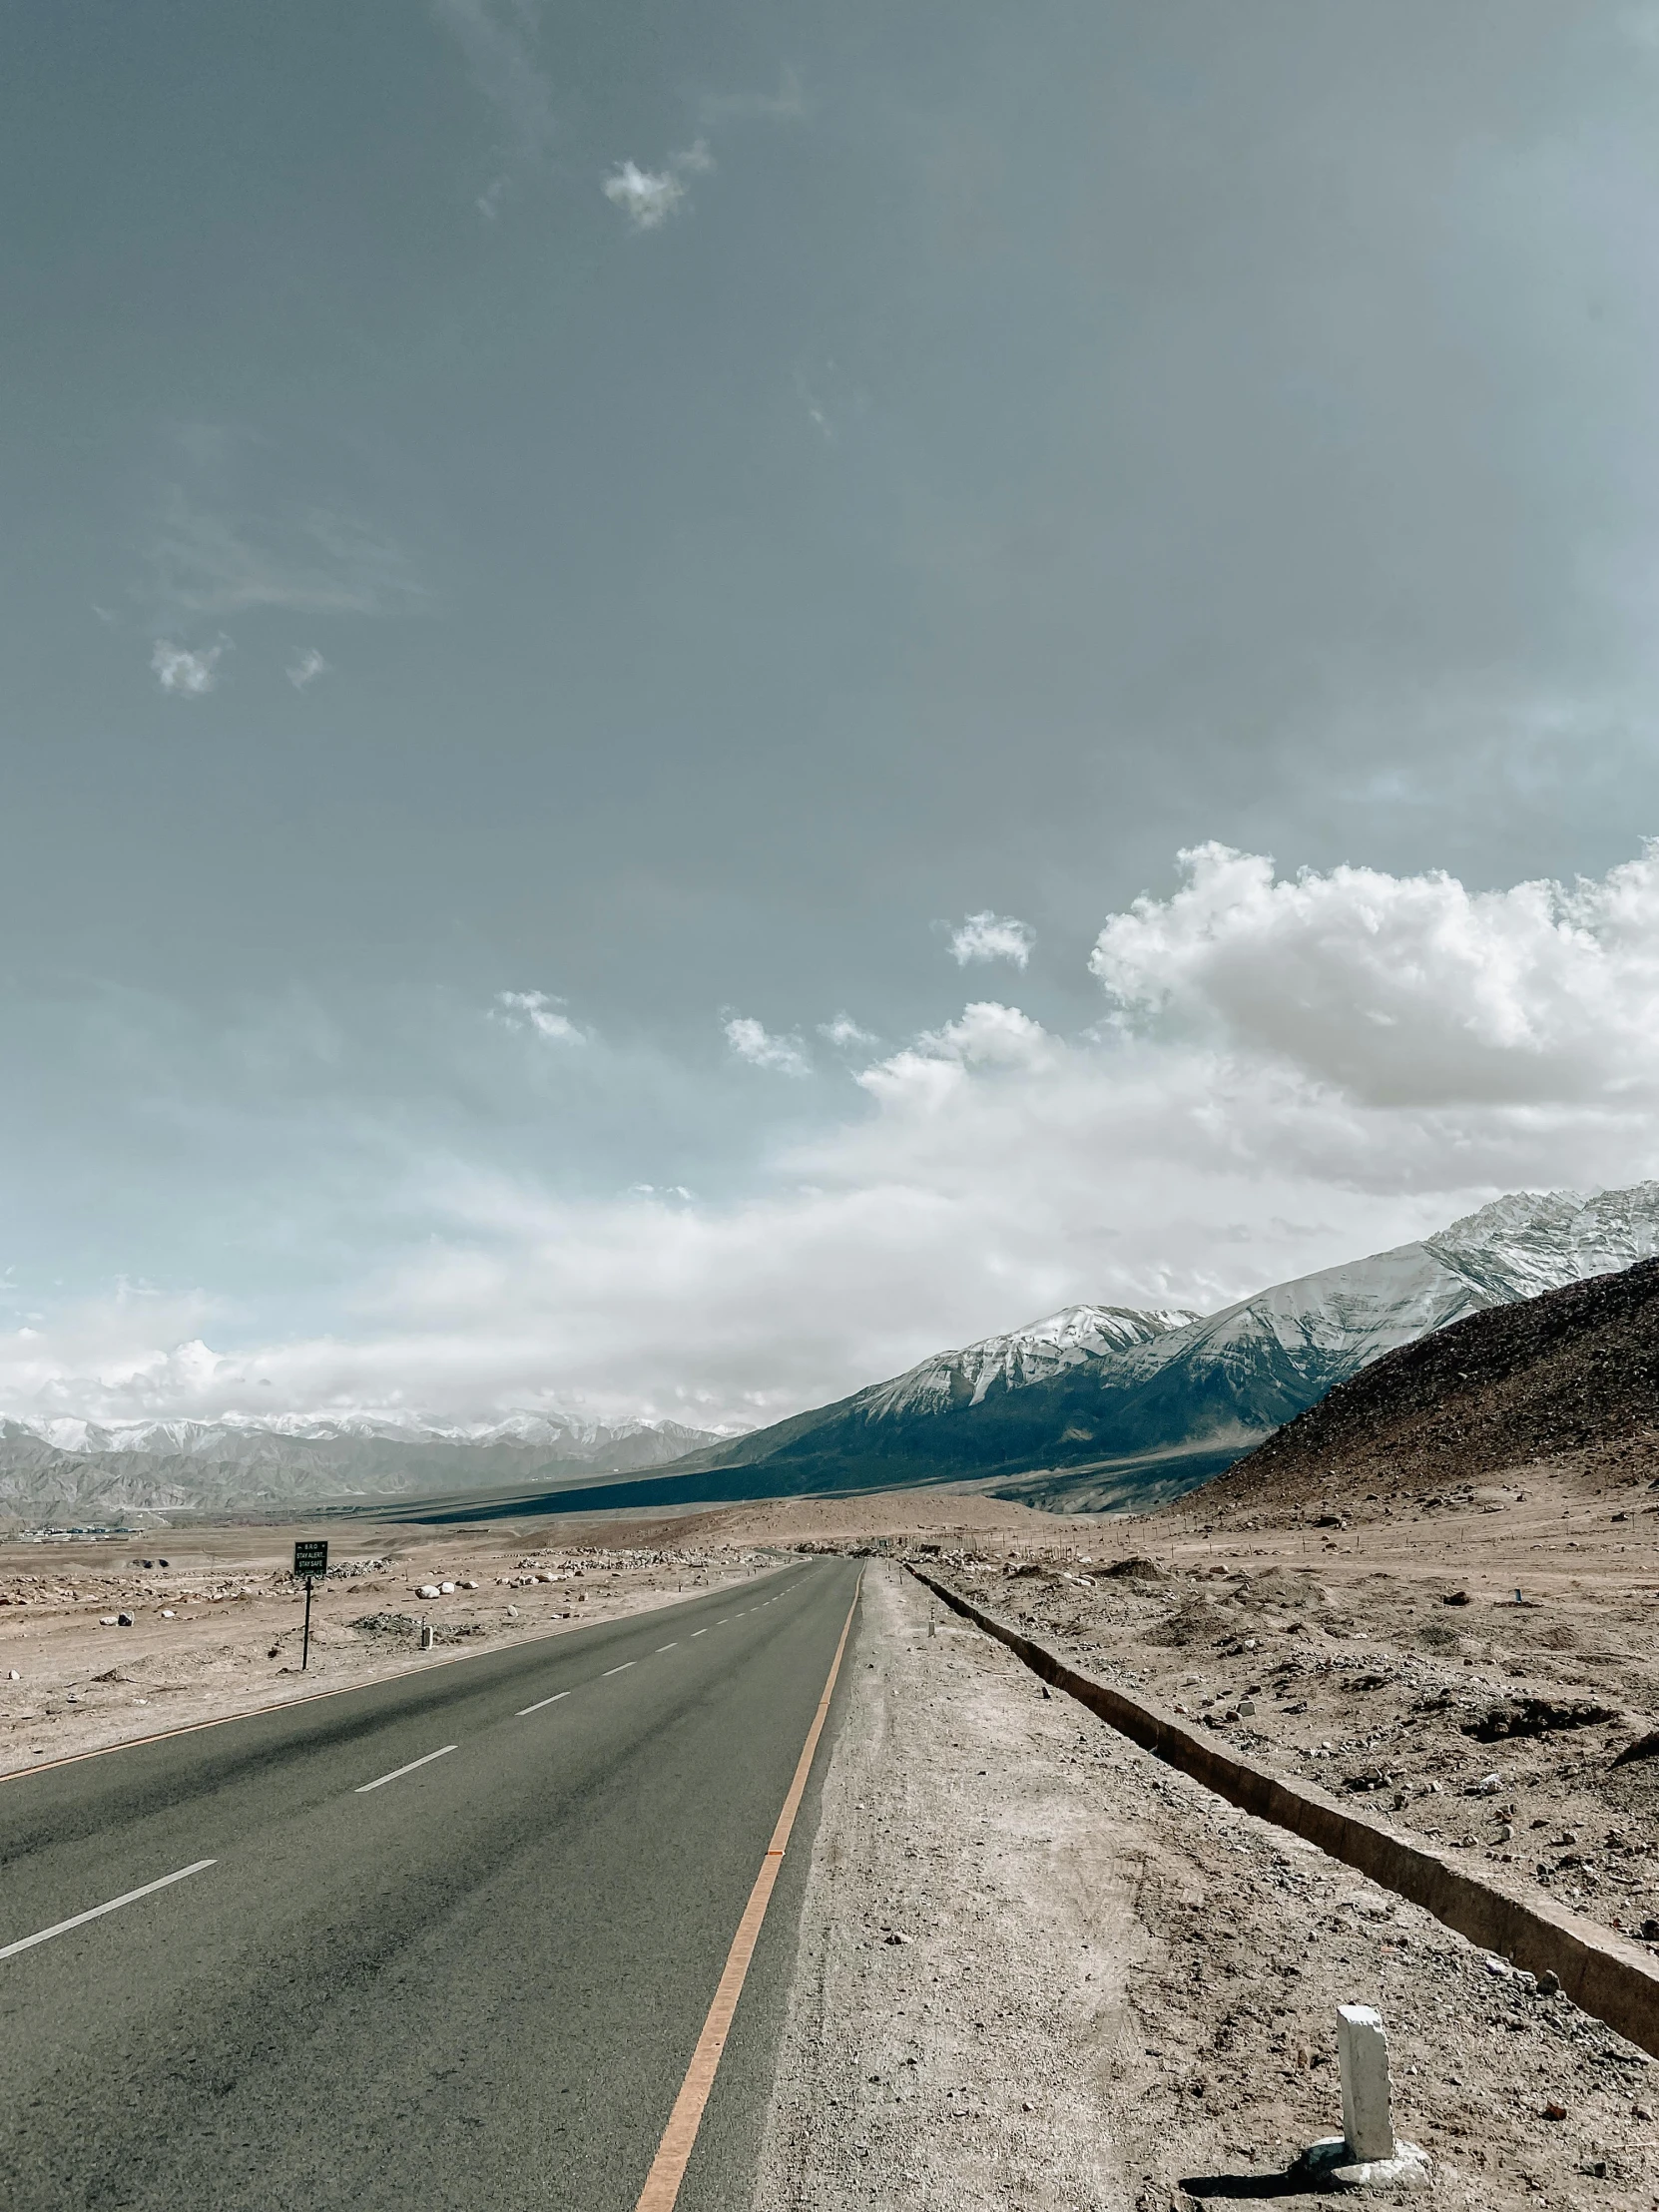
(1389, 1661)
(101, 1643)
(1042, 1972)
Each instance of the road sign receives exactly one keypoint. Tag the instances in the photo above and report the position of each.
(310, 1559)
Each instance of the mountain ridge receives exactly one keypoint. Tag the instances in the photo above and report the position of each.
(1174, 1399)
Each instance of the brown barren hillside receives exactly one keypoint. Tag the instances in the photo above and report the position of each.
(1571, 1375)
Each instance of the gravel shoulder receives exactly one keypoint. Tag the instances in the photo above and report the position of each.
(1040, 1972)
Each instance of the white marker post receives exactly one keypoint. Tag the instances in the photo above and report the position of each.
(1367, 2154)
(1363, 2053)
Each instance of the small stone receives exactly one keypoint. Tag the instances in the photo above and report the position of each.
(446, 1589)
(1640, 2112)
(14, 1676)
(1246, 1708)
(512, 1612)
(106, 1620)
(124, 1620)
(168, 1613)
(1650, 1932)
(1498, 1968)
(1553, 2111)
(428, 1589)
(1549, 1983)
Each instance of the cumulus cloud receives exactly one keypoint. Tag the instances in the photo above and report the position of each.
(305, 667)
(649, 197)
(1404, 990)
(535, 1011)
(187, 674)
(751, 1042)
(941, 1061)
(989, 936)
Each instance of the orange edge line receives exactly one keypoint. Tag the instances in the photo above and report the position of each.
(667, 2168)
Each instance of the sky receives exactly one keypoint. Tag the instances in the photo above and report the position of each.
(699, 698)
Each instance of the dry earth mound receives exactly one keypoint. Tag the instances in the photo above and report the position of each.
(1573, 1372)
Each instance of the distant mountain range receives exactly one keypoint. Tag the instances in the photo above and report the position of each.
(1093, 1408)
(1101, 1406)
(89, 1471)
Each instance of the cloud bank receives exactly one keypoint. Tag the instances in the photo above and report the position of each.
(1287, 1072)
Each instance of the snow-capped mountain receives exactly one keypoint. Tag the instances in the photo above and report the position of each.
(91, 1470)
(1097, 1404)
(1042, 1349)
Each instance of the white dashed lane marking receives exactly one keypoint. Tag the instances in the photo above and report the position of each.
(79, 1920)
(397, 1772)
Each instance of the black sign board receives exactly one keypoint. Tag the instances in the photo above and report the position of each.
(310, 1557)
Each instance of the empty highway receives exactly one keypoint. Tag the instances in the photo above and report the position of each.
(446, 1941)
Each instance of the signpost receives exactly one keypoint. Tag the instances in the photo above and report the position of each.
(311, 1558)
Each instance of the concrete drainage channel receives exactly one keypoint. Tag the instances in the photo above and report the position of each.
(1603, 1975)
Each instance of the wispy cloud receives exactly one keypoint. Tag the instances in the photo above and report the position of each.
(754, 1043)
(989, 936)
(187, 674)
(305, 667)
(536, 1011)
(497, 41)
(846, 1032)
(787, 105)
(649, 197)
(317, 561)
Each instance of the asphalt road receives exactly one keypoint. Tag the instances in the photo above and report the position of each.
(478, 1984)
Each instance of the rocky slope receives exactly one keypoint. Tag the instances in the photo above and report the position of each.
(1504, 1391)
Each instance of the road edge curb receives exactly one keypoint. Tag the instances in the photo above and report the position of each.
(1603, 1973)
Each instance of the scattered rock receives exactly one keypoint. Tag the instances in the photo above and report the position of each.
(1541, 1716)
